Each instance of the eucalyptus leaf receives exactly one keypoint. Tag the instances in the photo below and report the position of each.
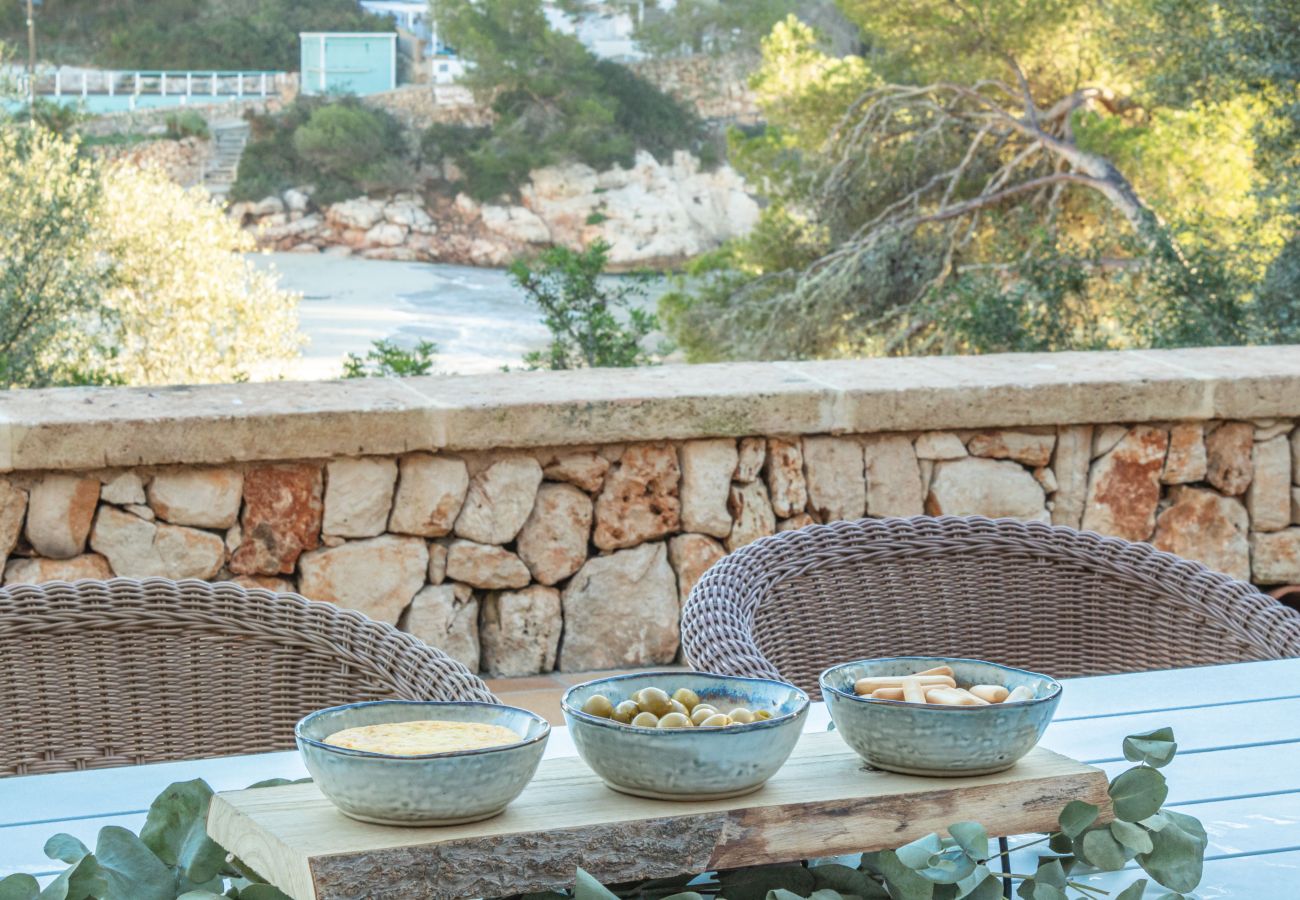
(1154, 823)
(972, 838)
(1077, 817)
(1049, 892)
(263, 892)
(1154, 748)
(980, 885)
(755, 883)
(65, 848)
(824, 894)
(1178, 852)
(1101, 850)
(1135, 837)
(1134, 891)
(19, 887)
(586, 887)
(1138, 793)
(920, 853)
(176, 830)
(277, 782)
(1050, 872)
(902, 882)
(782, 894)
(1060, 843)
(845, 880)
(130, 870)
(76, 882)
(687, 895)
(197, 895)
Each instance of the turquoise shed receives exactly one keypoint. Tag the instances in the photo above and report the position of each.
(348, 62)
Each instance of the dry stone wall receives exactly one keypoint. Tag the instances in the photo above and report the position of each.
(532, 521)
(518, 562)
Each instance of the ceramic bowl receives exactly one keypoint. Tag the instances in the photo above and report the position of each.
(688, 763)
(434, 789)
(930, 739)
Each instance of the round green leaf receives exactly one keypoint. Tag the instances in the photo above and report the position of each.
(980, 885)
(1060, 843)
(130, 869)
(1135, 837)
(1178, 853)
(19, 887)
(972, 838)
(1155, 748)
(1076, 817)
(586, 887)
(1049, 892)
(845, 880)
(65, 848)
(1051, 872)
(176, 830)
(921, 852)
(1138, 793)
(754, 884)
(1134, 891)
(1101, 849)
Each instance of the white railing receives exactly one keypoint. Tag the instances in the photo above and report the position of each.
(190, 85)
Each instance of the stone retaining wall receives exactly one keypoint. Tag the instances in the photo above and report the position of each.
(530, 521)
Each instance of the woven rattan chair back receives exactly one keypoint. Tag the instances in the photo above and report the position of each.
(1045, 598)
(122, 672)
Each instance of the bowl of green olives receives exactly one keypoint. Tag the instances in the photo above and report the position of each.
(684, 735)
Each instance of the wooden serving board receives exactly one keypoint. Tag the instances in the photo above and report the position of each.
(823, 802)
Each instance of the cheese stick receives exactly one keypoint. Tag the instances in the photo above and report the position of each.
(1019, 695)
(953, 697)
(939, 670)
(912, 691)
(887, 694)
(990, 693)
(867, 685)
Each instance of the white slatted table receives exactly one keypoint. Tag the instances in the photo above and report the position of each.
(1238, 771)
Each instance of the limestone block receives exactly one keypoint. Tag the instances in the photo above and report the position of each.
(1105, 437)
(204, 497)
(499, 500)
(938, 445)
(123, 489)
(585, 469)
(266, 582)
(1070, 470)
(783, 469)
(1228, 456)
(690, 556)
(485, 566)
(1275, 557)
(358, 496)
(520, 631)
(752, 512)
(59, 512)
(621, 610)
(1204, 525)
(1186, 460)
(13, 508)
(1028, 448)
(800, 520)
(753, 451)
(1124, 485)
(281, 520)
(430, 494)
(446, 616)
(835, 476)
(893, 476)
(437, 562)
(707, 468)
(136, 548)
(553, 542)
(976, 486)
(1295, 505)
(377, 576)
(1268, 499)
(640, 499)
(386, 234)
(40, 570)
(361, 214)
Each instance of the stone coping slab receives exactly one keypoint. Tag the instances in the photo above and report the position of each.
(88, 428)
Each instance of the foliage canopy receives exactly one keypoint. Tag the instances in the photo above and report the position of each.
(1011, 175)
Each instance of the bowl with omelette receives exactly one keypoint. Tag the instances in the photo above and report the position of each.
(422, 763)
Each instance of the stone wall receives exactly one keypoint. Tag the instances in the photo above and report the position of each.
(531, 521)
(181, 161)
(717, 87)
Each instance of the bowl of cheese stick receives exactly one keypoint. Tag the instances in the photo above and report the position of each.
(930, 715)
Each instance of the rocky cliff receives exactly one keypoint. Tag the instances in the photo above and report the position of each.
(652, 215)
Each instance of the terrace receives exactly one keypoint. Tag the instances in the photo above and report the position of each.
(536, 528)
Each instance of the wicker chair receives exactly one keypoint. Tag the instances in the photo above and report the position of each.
(1046, 598)
(111, 673)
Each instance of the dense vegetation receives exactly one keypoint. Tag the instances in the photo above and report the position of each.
(341, 147)
(1008, 175)
(553, 100)
(181, 34)
(116, 275)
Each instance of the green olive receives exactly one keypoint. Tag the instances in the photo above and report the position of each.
(717, 720)
(700, 713)
(762, 714)
(741, 716)
(598, 705)
(674, 720)
(625, 712)
(677, 707)
(645, 720)
(687, 698)
(653, 700)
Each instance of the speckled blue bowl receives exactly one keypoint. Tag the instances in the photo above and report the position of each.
(434, 789)
(688, 763)
(930, 739)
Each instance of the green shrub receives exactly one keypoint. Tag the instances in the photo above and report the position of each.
(187, 123)
(386, 359)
